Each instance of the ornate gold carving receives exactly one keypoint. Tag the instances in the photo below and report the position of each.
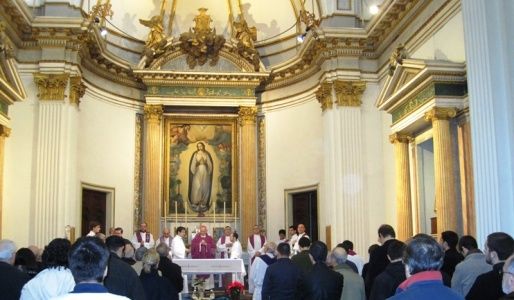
(4, 131)
(247, 114)
(349, 93)
(138, 170)
(324, 96)
(309, 19)
(440, 113)
(100, 11)
(201, 42)
(246, 36)
(400, 138)
(77, 89)
(261, 171)
(397, 57)
(156, 43)
(51, 86)
(153, 112)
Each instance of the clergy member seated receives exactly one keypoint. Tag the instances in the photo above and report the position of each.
(143, 238)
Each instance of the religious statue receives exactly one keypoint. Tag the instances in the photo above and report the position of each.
(245, 46)
(156, 41)
(201, 42)
(200, 179)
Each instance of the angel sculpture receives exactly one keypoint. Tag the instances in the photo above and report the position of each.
(156, 42)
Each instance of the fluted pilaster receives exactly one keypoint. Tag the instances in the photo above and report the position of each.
(343, 162)
(446, 204)
(403, 194)
(55, 197)
(489, 75)
(4, 133)
(247, 121)
(152, 168)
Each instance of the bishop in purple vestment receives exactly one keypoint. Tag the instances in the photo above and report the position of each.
(202, 245)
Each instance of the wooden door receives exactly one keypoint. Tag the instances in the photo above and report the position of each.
(94, 206)
(305, 211)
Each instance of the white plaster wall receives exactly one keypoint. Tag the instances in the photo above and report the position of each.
(16, 207)
(446, 44)
(294, 158)
(106, 154)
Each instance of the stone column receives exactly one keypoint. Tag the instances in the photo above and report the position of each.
(489, 44)
(403, 195)
(343, 161)
(446, 204)
(248, 207)
(4, 133)
(152, 168)
(56, 188)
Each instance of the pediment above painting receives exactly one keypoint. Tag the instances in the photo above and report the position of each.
(419, 81)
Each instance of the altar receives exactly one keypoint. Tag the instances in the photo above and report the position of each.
(211, 266)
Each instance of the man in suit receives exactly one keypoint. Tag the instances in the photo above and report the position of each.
(121, 278)
(353, 283)
(322, 283)
(386, 282)
(11, 279)
(498, 247)
(378, 260)
(169, 269)
(452, 257)
(283, 279)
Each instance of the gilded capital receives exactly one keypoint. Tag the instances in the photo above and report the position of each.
(400, 138)
(4, 131)
(153, 112)
(440, 113)
(349, 93)
(51, 86)
(324, 96)
(77, 89)
(247, 114)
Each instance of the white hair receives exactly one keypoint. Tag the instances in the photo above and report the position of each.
(7, 250)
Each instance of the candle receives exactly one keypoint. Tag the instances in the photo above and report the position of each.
(224, 212)
(185, 207)
(214, 214)
(235, 213)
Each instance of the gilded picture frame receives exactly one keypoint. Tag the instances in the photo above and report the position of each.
(200, 168)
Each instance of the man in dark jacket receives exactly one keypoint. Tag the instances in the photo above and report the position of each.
(170, 270)
(452, 257)
(498, 247)
(508, 279)
(12, 280)
(386, 283)
(121, 278)
(322, 283)
(378, 260)
(303, 259)
(283, 279)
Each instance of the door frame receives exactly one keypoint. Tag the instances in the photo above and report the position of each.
(109, 204)
(288, 202)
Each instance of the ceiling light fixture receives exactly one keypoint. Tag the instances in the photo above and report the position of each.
(103, 31)
(374, 9)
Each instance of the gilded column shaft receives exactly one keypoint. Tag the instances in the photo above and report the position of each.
(4, 133)
(403, 191)
(247, 117)
(446, 204)
(152, 167)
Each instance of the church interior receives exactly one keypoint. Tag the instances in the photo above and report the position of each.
(341, 115)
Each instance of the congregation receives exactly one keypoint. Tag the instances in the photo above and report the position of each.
(292, 267)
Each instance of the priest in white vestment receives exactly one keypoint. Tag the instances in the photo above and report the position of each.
(178, 248)
(255, 248)
(224, 243)
(259, 267)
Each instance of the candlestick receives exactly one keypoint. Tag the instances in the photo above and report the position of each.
(224, 213)
(214, 214)
(185, 207)
(235, 213)
(176, 213)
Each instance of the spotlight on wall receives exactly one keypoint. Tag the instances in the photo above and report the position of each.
(374, 9)
(300, 38)
(103, 31)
